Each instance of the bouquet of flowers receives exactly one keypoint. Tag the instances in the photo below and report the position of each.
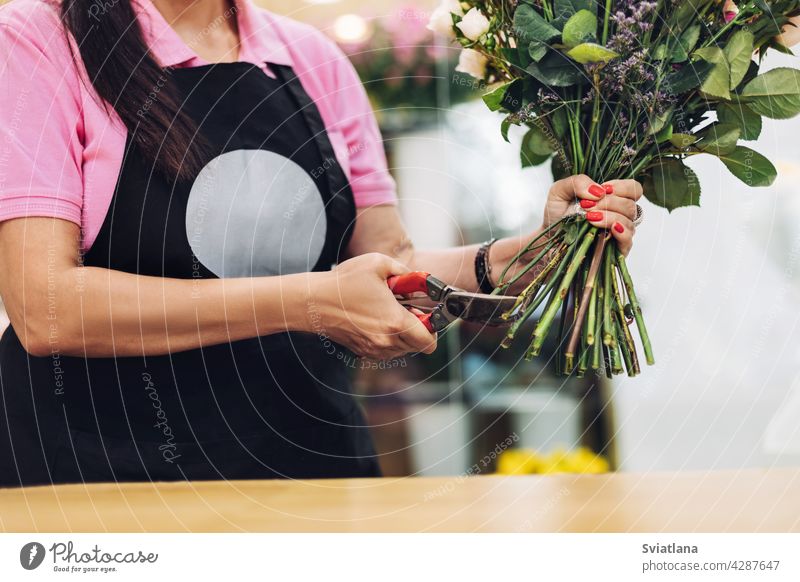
(620, 89)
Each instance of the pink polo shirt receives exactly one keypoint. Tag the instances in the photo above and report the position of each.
(61, 152)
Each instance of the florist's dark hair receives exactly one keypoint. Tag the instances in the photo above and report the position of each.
(123, 72)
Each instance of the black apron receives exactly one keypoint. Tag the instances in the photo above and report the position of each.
(271, 200)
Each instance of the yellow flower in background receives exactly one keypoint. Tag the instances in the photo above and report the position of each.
(529, 462)
(518, 462)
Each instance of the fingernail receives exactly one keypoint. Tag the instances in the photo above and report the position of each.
(608, 188)
(588, 203)
(619, 228)
(597, 190)
(594, 216)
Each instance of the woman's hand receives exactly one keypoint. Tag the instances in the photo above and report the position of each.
(611, 205)
(352, 305)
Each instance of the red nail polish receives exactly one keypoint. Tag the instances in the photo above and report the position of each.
(594, 216)
(619, 228)
(596, 190)
(608, 188)
(588, 203)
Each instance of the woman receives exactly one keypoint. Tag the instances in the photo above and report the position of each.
(178, 179)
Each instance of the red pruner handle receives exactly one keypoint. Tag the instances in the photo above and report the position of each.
(425, 319)
(414, 282)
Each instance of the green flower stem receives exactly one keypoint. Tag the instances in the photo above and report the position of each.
(585, 299)
(577, 320)
(585, 351)
(579, 161)
(606, 18)
(591, 316)
(607, 361)
(626, 355)
(626, 337)
(562, 324)
(637, 310)
(531, 264)
(608, 329)
(533, 287)
(548, 11)
(526, 249)
(553, 303)
(559, 263)
(616, 359)
(597, 347)
(546, 321)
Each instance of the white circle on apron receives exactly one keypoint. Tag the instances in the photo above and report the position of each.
(253, 213)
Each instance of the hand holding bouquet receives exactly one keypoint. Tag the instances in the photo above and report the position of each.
(617, 89)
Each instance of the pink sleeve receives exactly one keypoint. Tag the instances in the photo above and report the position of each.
(370, 179)
(40, 122)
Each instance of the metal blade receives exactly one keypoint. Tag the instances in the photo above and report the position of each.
(480, 308)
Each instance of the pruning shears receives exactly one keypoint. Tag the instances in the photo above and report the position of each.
(452, 303)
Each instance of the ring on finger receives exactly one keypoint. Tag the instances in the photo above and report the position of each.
(577, 208)
(639, 216)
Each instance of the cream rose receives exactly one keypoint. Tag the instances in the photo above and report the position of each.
(474, 24)
(441, 21)
(472, 63)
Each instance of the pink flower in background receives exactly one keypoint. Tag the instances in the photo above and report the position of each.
(404, 53)
(423, 75)
(437, 51)
(402, 58)
(408, 25)
(394, 77)
(730, 10)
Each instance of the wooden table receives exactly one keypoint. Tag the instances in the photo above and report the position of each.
(727, 501)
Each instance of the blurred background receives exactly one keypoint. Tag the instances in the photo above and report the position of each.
(720, 287)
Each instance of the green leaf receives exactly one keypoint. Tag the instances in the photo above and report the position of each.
(719, 139)
(529, 25)
(686, 43)
(558, 121)
(660, 121)
(590, 52)
(558, 168)
(516, 56)
(689, 76)
(556, 70)
(718, 81)
(780, 47)
(740, 114)
(535, 148)
(505, 125)
(564, 9)
(683, 140)
(494, 98)
(664, 134)
(537, 50)
(580, 27)
(687, 11)
(775, 94)
(738, 52)
(507, 96)
(672, 185)
(750, 167)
